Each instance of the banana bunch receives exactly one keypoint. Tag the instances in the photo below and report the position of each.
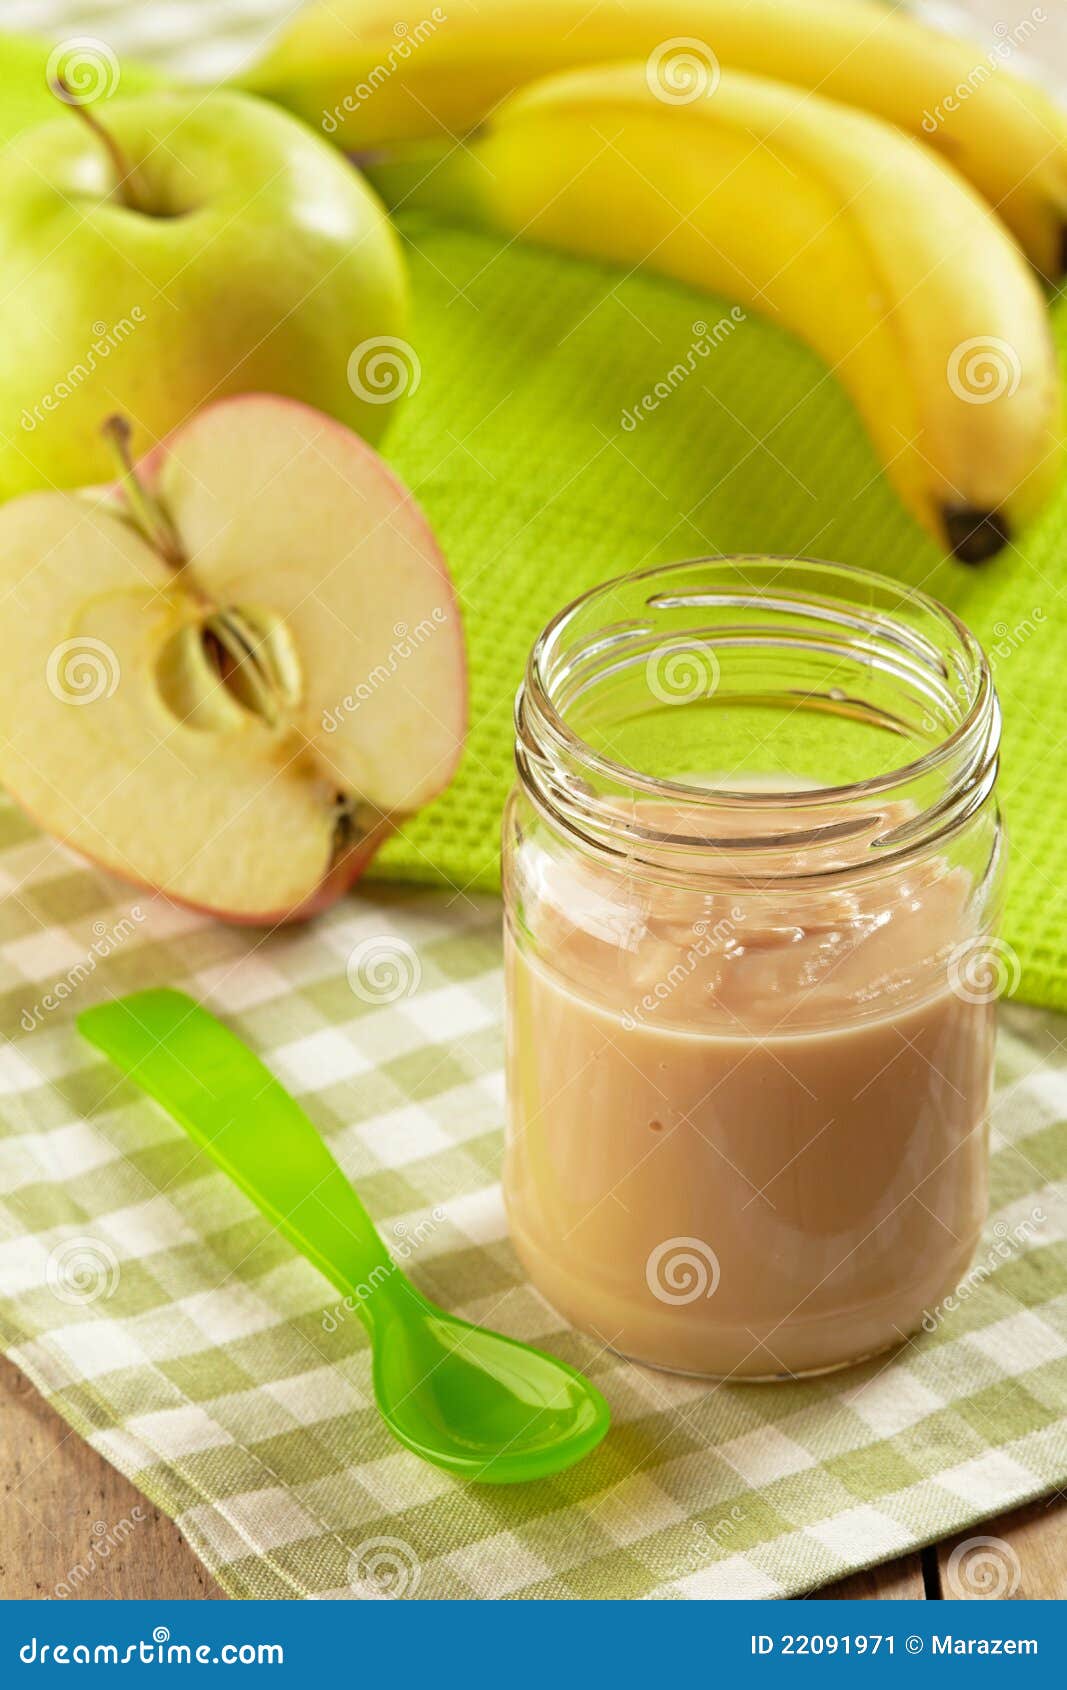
(850, 234)
(839, 225)
(349, 68)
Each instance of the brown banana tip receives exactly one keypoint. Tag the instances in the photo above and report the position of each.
(974, 535)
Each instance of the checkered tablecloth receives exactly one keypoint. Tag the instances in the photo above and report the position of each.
(175, 1331)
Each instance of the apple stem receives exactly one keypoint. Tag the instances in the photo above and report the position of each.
(146, 511)
(125, 174)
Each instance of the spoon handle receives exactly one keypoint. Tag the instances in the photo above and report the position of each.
(240, 1115)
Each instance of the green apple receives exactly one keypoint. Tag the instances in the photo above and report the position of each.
(229, 674)
(180, 247)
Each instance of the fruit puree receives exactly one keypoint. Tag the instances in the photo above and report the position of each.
(746, 1128)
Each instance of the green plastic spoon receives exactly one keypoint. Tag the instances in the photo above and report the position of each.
(474, 1402)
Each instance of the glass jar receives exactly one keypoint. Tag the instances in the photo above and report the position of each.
(752, 873)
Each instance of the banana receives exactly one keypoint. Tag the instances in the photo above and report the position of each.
(349, 67)
(850, 234)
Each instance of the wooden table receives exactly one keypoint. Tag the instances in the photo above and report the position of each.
(54, 1490)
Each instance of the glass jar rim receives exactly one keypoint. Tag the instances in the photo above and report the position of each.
(541, 722)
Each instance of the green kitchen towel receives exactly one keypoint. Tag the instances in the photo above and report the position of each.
(173, 1329)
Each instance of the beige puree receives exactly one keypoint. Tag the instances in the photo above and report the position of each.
(746, 1131)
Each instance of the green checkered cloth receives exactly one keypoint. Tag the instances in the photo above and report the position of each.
(168, 1323)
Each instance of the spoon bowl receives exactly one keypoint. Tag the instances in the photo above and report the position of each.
(472, 1401)
(482, 1405)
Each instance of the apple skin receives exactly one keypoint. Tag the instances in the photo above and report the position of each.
(342, 876)
(267, 261)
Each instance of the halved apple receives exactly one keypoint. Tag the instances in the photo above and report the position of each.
(228, 676)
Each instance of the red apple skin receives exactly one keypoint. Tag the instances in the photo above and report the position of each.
(340, 878)
(342, 874)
